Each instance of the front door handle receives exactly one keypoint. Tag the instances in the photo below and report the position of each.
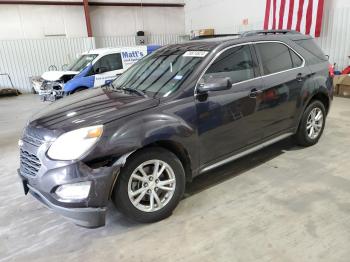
(254, 93)
(300, 77)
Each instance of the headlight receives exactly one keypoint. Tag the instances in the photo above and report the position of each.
(76, 191)
(74, 144)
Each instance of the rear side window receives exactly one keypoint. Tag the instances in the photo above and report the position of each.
(277, 57)
(310, 46)
(297, 61)
(236, 63)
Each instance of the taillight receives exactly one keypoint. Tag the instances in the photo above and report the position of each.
(331, 70)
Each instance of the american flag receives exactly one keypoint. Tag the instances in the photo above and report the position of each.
(304, 16)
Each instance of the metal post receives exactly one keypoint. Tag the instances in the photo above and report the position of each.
(87, 17)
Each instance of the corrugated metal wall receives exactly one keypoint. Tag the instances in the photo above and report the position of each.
(22, 59)
(335, 36)
(110, 41)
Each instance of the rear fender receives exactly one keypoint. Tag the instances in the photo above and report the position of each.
(319, 86)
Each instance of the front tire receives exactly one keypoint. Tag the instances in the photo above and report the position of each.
(150, 185)
(312, 124)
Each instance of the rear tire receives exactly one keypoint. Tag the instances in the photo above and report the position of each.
(145, 195)
(312, 124)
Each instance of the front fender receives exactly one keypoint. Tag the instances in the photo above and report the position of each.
(139, 131)
(75, 83)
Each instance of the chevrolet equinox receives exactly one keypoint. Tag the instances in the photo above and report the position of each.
(179, 112)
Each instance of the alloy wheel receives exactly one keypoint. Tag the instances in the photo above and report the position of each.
(314, 123)
(151, 185)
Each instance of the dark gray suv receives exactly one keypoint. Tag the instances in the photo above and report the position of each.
(179, 112)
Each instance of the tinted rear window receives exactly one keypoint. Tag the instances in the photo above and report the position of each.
(297, 61)
(310, 46)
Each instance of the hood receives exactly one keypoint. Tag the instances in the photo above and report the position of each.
(90, 107)
(56, 75)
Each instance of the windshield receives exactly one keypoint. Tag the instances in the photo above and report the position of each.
(81, 62)
(160, 73)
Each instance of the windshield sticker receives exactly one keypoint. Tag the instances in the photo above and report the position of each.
(195, 54)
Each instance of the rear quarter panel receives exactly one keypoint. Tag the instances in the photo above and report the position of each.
(319, 81)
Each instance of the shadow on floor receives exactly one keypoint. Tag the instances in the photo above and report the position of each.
(214, 177)
(239, 166)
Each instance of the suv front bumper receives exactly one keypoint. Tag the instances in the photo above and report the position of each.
(89, 212)
(85, 216)
(86, 213)
(50, 95)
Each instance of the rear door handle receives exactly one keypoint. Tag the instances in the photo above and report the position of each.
(254, 93)
(300, 77)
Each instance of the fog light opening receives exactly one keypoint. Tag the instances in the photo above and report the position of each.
(76, 191)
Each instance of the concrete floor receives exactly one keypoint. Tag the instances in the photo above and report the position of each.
(283, 203)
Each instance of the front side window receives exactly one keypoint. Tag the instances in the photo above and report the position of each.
(81, 62)
(235, 63)
(109, 63)
(277, 57)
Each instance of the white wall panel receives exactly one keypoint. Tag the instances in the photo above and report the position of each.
(37, 21)
(143, 1)
(116, 21)
(225, 16)
(112, 41)
(10, 22)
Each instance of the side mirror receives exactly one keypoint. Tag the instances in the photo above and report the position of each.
(215, 84)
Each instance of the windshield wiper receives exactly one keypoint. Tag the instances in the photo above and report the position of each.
(131, 90)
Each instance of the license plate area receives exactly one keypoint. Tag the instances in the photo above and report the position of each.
(45, 92)
(24, 182)
(25, 186)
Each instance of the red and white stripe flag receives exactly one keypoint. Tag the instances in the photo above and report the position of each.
(304, 16)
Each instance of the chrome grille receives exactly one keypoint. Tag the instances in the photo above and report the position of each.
(32, 140)
(29, 163)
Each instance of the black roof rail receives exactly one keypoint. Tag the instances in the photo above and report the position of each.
(213, 36)
(268, 32)
(249, 33)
